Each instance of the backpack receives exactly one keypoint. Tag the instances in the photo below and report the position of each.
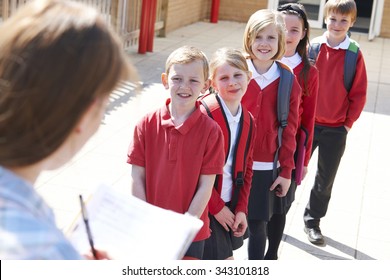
(350, 60)
(212, 104)
(283, 107)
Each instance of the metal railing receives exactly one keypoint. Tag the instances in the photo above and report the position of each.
(123, 15)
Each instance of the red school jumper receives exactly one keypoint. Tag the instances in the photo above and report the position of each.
(175, 157)
(307, 107)
(335, 106)
(263, 106)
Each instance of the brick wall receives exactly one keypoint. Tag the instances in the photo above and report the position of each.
(240, 11)
(181, 12)
(385, 28)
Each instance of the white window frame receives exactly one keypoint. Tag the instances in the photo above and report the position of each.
(376, 19)
(273, 4)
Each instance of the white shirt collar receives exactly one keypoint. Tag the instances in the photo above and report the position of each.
(229, 116)
(292, 61)
(343, 45)
(265, 79)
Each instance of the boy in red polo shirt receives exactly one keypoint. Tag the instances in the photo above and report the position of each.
(337, 108)
(176, 150)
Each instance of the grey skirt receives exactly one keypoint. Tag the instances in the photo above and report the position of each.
(263, 203)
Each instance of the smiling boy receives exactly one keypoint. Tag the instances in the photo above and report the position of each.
(337, 108)
(177, 151)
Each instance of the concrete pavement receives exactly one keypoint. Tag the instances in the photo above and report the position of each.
(357, 225)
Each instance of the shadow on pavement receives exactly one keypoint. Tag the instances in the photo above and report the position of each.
(322, 254)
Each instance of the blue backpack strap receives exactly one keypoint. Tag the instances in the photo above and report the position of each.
(350, 61)
(312, 52)
(283, 106)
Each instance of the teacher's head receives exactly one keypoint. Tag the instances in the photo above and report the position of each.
(59, 62)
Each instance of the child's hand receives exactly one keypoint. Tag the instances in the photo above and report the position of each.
(240, 224)
(225, 217)
(347, 128)
(281, 186)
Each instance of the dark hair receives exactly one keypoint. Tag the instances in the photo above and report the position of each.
(56, 58)
(299, 11)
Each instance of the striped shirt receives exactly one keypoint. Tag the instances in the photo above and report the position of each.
(27, 225)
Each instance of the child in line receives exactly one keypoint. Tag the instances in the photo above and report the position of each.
(176, 150)
(228, 205)
(264, 41)
(337, 109)
(50, 105)
(297, 39)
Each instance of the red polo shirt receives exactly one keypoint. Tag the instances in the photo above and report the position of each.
(175, 157)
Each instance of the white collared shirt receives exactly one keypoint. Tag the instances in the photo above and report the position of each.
(234, 123)
(343, 45)
(292, 61)
(263, 80)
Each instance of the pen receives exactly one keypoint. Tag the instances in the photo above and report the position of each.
(86, 222)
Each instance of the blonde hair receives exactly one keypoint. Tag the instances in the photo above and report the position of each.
(187, 54)
(257, 22)
(56, 58)
(344, 7)
(233, 57)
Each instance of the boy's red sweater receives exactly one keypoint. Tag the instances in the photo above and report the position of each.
(335, 106)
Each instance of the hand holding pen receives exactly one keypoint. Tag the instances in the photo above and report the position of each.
(86, 223)
(96, 254)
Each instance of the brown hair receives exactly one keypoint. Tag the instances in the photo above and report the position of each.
(257, 22)
(344, 7)
(56, 58)
(187, 54)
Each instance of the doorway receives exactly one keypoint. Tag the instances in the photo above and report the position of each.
(364, 12)
(369, 14)
(314, 10)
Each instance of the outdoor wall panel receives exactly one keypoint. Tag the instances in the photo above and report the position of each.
(240, 11)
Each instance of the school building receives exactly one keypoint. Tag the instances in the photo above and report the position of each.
(139, 21)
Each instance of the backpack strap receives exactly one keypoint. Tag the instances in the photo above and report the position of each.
(241, 150)
(350, 61)
(283, 106)
(213, 106)
(314, 49)
(312, 52)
